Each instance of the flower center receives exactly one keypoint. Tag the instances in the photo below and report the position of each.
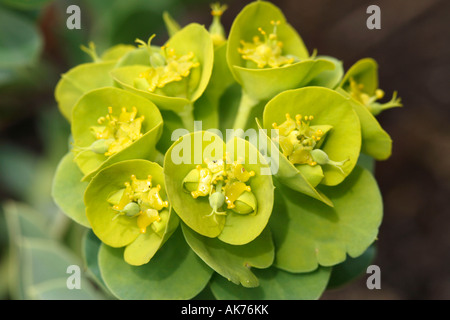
(225, 183)
(267, 53)
(116, 133)
(300, 141)
(140, 199)
(167, 66)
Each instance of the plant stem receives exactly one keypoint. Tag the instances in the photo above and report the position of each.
(245, 107)
(187, 117)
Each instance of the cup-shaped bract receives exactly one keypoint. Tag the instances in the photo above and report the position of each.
(266, 55)
(87, 76)
(317, 136)
(199, 167)
(110, 125)
(174, 75)
(126, 206)
(360, 83)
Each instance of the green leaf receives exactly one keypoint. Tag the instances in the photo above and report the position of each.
(308, 234)
(364, 71)
(175, 272)
(20, 41)
(262, 84)
(68, 190)
(328, 107)
(351, 268)
(121, 230)
(90, 248)
(78, 81)
(231, 261)
(45, 270)
(275, 284)
(172, 25)
(376, 142)
(116, 52)
(94, 105)
(329, 78)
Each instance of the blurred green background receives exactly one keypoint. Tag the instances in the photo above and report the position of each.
(412, 49)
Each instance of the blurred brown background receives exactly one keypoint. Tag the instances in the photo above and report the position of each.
(413, 51)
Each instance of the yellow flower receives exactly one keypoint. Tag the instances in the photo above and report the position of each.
(267, 53)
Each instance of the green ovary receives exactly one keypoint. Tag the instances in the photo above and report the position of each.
(224, 183)
(141, 201)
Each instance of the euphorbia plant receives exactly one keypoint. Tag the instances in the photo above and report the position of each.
(178, 213)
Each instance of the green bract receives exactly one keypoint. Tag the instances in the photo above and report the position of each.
(87, 128)
(87, 76)
(190, 55)
(234, 262)
(307, 233)
(114, 225)
(332, 130)
(174, 266)
(263, 19)
(203, 147)
(360, 83)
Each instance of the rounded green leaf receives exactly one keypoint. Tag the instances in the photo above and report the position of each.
(342, 142)
(364, 71)
(120, 230)
(351, 268)
(308, 234)
(230, 261)
(116, 52)
(329, 78)
(175, 272)
(68, 190)
(80, 80)
(275, 284)
(94, 105)
(262, 84)
(233, 228)
(192, 38)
